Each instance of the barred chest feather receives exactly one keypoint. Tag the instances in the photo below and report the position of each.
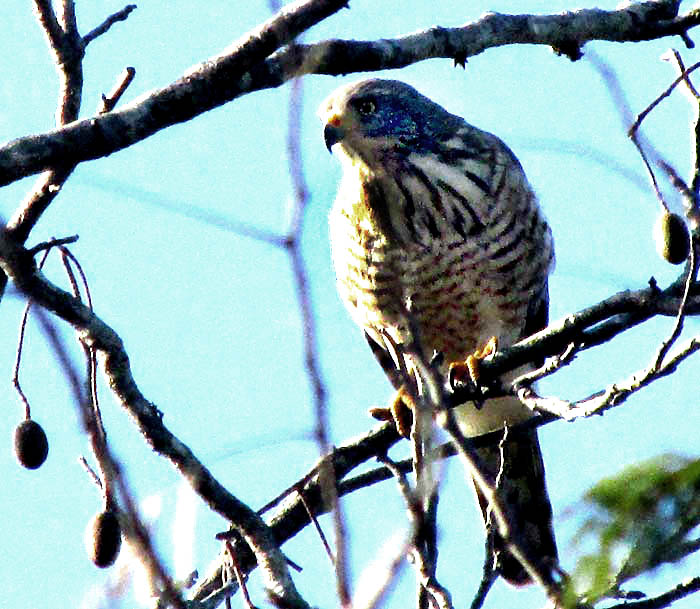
(464, 249)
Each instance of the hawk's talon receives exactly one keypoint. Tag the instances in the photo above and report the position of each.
(399, 410)
(380, 413)
(468, 371)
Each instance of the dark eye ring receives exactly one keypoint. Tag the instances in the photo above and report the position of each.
(367, 107)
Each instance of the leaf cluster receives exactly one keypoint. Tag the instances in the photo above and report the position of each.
(639, 519)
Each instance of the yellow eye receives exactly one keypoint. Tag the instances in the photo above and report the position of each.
(367, 107)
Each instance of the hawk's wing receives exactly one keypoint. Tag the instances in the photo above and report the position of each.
(537, 315)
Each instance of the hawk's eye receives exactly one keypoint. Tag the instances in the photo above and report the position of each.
(366, 107)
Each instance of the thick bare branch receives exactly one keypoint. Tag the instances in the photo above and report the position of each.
(247, 66)
(565, 33)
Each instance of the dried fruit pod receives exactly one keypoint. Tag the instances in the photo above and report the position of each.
(672, 238)
(31, 445)
(103, 538)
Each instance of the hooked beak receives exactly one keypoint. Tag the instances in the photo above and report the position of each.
(332, 134)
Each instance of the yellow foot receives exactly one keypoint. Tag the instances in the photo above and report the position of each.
(399, 410)
(468, 370)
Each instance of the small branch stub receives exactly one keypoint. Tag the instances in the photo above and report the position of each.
(110, 100)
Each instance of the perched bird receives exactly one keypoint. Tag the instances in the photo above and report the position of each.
(435, 219)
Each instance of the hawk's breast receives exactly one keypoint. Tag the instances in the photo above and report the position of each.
(464, 254)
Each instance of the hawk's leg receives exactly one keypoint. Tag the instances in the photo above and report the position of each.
(399, 410)
(468, 370)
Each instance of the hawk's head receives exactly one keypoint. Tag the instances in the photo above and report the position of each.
(373, 117)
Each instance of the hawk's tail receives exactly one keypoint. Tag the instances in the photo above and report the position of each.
(518, 468)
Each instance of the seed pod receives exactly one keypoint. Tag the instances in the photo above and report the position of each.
(672, 238)
(103, 538)
(31, 445)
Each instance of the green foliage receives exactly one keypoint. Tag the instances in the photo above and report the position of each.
(639, 519)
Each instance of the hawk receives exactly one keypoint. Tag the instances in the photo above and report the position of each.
(435, 219)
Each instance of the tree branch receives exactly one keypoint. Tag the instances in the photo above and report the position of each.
(587, 328)
(682, 590)
(121, 15)
(67, 50)
(248, 66)
(19, 266)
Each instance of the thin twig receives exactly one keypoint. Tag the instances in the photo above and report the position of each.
(107, 461)
(311, 361)
(682, 72)
(682, 590)
(46, 245)
(71, 276)
(663, 95)
(633, 130)
(502, 519)
(68, 258)
(613, 395)
(317, 526)
(430, 590)
(67, 18)
(91, 472)
(408, 494)
(239, 574)
(94, 426)
(618, 392)
(108, 23)
(49, 22)
(633, 126)
(691, 276)
(20, 345)
(66, 253)
(550, 366)
(691, 196)
(18, 358)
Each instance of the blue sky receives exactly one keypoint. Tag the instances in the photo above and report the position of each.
(210, 321)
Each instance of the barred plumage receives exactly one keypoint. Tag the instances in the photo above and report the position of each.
(436, 217)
